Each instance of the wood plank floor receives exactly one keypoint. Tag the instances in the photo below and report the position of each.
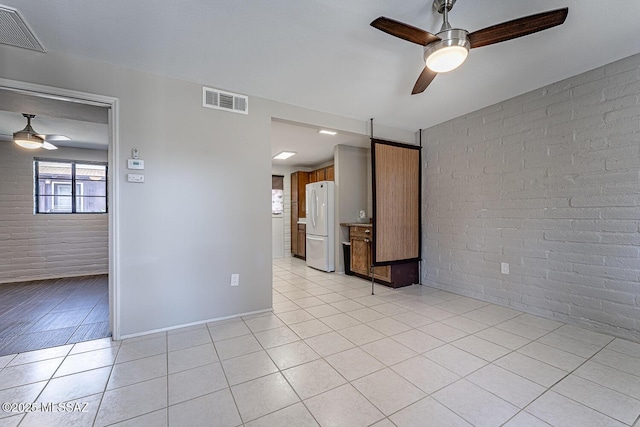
(48, 313)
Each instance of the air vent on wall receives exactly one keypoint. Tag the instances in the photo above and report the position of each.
(14, 31)
(220, 100)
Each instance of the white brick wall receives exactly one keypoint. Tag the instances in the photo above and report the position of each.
(45, 246)
(549, 182)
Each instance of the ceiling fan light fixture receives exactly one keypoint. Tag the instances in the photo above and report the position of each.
(448, 53)
(31, 142)
(27, 137)
(446, 59)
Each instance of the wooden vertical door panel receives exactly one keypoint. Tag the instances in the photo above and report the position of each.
(396, 184)
(330, 173)
(303, 180)
(382, 272)
(299, 181)
(360, 255)
(294, 186)
(302, 240)
(294, 228)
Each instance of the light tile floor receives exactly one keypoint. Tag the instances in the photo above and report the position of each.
(331, 354)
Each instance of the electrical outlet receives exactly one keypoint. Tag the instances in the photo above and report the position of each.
(504, 267)
(235, 279)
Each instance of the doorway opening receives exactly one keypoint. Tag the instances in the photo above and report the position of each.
(331, 155)
(58, 284)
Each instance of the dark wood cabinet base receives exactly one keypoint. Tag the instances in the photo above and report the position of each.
(393, 275)
(405, 274)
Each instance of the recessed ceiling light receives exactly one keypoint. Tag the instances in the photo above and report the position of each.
(284, 155)
(327, 132)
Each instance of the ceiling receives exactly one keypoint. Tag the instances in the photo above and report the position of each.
(85, 125)
(311, 147)
(324, 55)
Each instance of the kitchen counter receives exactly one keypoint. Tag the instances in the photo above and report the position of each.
(355, 224)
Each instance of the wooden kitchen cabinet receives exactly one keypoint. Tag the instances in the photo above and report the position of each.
(383, 272)
(294, 229)
(329, 173)
(299, 180)
(395, 275)
(322, 174)
(302, 240)
(360, 250)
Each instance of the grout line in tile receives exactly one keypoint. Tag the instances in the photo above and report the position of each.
(528, 413)
(565, 376)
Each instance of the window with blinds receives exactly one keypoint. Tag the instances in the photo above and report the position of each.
(277, 194)
(70, 187)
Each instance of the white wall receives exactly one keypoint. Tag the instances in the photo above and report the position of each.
(548, 182)
(194, 221)
(45, 246)
(351, 170)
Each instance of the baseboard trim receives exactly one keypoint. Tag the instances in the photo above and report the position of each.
(52, 277)
(200, 322)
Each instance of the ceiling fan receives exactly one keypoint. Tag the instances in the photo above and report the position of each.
(448, 49)
(29, 138)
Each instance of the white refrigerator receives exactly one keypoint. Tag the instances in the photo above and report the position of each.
(320, 225)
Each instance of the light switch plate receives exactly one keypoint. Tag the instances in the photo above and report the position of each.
(135, 177)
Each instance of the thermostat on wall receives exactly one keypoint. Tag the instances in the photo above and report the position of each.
(135, 164)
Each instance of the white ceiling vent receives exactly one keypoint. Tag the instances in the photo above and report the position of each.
(14, 30)
(220, 100)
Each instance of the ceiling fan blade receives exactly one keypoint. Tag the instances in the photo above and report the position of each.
(49, 146)
(518, 27)
(425, 78)
(404, 31)
(52, 137)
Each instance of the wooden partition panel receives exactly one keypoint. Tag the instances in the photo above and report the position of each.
(396, 202)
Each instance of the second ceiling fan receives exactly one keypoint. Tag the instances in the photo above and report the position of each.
(29, 138)
(448, 49)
